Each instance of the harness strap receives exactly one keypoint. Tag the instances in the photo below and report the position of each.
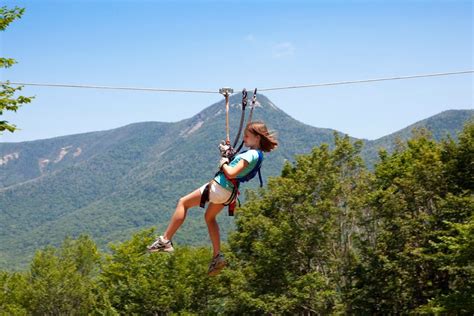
(227, 139)
(242, 117)
(205, 196)
(254, 101)
(233, 197)
(231, 208)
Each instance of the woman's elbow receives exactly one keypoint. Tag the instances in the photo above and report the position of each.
(231, 175)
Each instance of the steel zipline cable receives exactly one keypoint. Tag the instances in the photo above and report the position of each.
(61, 85)
(369, 80)
(217, 92)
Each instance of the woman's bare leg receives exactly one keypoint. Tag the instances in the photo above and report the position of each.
(184, 203)
(213, 228)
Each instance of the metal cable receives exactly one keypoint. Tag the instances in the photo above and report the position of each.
(217, 92)
(367, 80)
(107, 87)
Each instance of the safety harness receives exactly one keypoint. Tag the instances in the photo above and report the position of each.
(232, 201)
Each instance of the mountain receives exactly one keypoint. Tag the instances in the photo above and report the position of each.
(109, 184)
(447, 123)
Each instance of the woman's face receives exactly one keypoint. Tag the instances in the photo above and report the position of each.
(251, 140)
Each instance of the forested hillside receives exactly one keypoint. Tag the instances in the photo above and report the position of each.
(447, 123)
(327, 236)
(110, 184)
(126, 179)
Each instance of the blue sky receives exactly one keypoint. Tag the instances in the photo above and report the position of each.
(212, 44)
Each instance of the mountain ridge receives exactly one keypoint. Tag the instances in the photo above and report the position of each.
(130, 178)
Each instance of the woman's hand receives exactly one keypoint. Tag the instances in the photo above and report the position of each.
(226, 150)
(222, 162)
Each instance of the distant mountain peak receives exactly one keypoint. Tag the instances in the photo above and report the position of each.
(235, 104)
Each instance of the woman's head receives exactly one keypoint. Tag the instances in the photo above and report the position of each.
(257, 136)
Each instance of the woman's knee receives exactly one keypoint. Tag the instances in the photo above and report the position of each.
(209, 217)
(183, 202)
(189, 200)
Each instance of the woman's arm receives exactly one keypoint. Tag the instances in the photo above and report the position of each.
(232, 172)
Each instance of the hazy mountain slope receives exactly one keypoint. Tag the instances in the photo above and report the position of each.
(440, 126)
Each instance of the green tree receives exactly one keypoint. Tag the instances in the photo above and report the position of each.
(458, 158)
(140, 283)
(414, 253)
(453, 249)
(62, 281)
(12, 293)
(8, 102)
(294, 241)
(325, 237)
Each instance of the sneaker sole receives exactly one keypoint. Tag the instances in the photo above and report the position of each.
(217, 269)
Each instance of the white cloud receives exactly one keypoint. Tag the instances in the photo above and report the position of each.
(283, 49)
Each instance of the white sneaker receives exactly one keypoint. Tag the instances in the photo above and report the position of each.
(161, 244)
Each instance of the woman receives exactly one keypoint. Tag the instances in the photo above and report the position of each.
(256, 138)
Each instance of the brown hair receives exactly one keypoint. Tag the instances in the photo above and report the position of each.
(268, 141)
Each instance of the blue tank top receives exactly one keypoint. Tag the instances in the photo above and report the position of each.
(251, 156)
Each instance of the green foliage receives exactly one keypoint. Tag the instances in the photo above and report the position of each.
(113, 183)
(125, 179)
(7, 16)
(7, 100)
(458, 158)
(151, 284)
(454, 255)
(12, 293)
(327, 236)
(60, 281)
(445, 124)
(298, 233)
(418, 215)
